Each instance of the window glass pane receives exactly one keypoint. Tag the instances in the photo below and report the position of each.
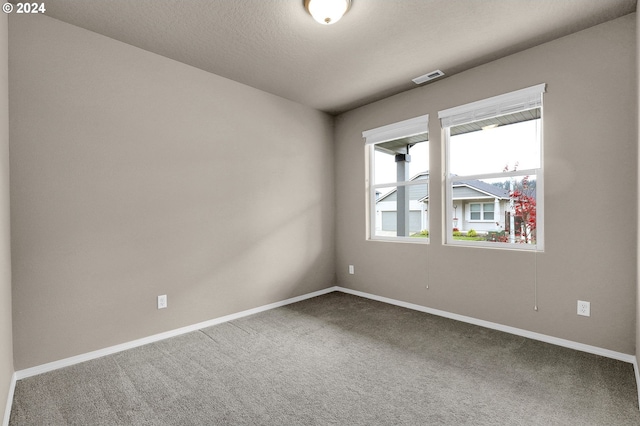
(384, 167)
(419, 159)
(493, 164)
(390, 160)
(515, 208)
(398, 180)
(475, 211)
(514, 146)
(488, 211)
(401, 211)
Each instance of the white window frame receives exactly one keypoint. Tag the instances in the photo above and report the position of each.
(411, 127)
(519, 100)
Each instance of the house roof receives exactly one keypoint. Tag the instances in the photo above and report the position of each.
(421, 192)
(478, 185)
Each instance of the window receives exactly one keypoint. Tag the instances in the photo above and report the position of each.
(493, 169)
(478, 211)
(397, 156)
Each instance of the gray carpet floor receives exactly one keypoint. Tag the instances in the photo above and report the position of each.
(336, 359)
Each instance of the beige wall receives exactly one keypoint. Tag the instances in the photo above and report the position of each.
(6, 345)
(638, 198)
(591, 186)
(134, 175)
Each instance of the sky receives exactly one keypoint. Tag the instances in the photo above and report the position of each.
(486, 151)
(489, 151)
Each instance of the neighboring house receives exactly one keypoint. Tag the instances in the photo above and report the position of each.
(386, 207)
(477, 205)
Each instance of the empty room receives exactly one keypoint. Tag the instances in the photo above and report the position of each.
(319, 212)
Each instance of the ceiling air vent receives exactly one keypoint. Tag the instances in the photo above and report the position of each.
(428, 76)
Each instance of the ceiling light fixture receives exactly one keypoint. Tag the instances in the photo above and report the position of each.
(327, 12)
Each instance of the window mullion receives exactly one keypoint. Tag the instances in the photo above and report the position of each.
(405, 183)
(497, 175)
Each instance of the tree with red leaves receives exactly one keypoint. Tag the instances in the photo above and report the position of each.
(523, 195)
(525, 208)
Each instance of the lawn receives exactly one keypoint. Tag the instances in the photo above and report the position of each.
(465, 238)
(458, 238)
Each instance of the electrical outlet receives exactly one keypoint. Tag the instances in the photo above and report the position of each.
(584, 308)
(162, 301)
(352, 270)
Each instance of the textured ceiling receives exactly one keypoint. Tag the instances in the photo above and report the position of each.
(372, 53)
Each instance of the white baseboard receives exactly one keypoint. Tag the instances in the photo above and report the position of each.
(21, 374)
(512, 330)
(7, 410)
(505, 328)
(66, 362)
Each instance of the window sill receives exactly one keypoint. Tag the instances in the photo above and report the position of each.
(495, 246)
(405, 240)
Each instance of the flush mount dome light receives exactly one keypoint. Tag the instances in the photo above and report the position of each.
(327, 12)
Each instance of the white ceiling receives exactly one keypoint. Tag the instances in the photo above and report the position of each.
(372, 53)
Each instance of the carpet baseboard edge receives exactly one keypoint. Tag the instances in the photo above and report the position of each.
(499, 327)
(21, 374)
(66, 362)
(507, 329)
(7, 410)
(635, 368)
